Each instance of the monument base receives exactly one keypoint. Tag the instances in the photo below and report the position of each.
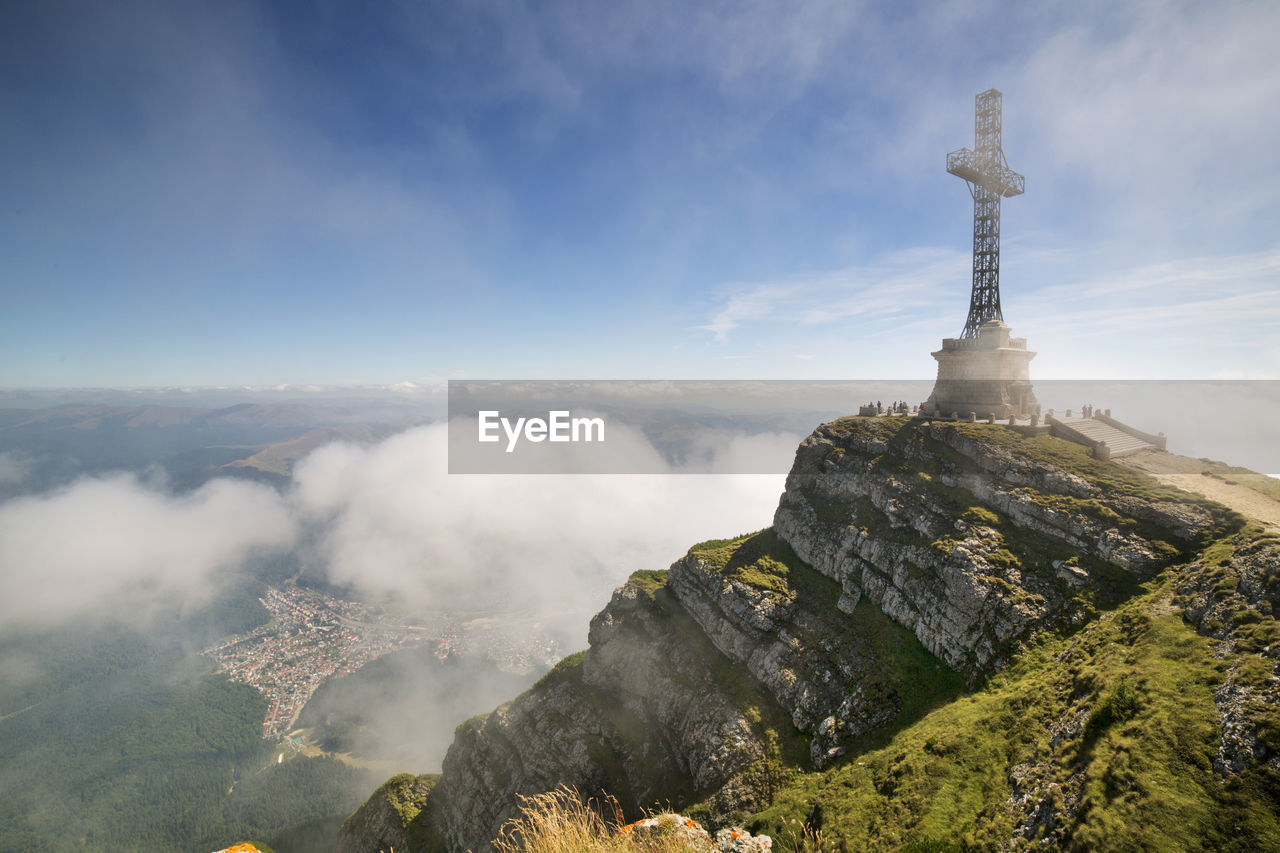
(985, 376)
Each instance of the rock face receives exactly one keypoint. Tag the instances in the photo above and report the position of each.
(969, 536)
(829, 671)
(1234, 598)
(385, 821)
(642, 715)
(905, 559)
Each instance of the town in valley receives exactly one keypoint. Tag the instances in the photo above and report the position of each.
(313, 636)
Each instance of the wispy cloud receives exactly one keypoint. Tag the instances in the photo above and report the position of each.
(1237, 290)
(1193, 316)
(755, 303)
(891, 289)
(1190, 317)
(1166, 109)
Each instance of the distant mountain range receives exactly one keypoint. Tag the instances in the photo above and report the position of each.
(49, 447)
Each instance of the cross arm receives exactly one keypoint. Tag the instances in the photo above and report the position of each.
(986, 173)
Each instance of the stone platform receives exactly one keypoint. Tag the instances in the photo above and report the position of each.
(987, 376)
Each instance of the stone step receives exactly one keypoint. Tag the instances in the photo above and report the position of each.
(1118, 441)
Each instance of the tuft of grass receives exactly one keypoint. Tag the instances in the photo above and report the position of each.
(866, 429)
(714, 544)
(808, 840)
(978, 514)
(561, 821)
(1121, 704)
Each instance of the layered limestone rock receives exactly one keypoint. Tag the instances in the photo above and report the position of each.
(836, 675)
(905, 558)
(701, 684)
(970, 535)
(645, 715)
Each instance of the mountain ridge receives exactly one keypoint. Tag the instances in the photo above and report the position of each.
(913, 569)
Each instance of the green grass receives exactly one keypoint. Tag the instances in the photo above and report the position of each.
(567, 668)
(905, 667)
(764, 561)
(648, 581)
(981, 515)
(407, 794)
(1142, 762)
(866, 429)
(714, 544)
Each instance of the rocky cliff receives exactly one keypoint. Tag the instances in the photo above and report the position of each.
(907, 563)
(973, 537)
(386, 821)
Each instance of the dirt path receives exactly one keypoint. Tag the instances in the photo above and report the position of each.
(1242, 499)
(1189, 474)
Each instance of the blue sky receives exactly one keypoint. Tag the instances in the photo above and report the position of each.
(235, 193)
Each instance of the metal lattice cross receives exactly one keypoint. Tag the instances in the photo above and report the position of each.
(990, 179)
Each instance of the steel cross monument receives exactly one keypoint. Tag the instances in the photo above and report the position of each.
(990, 179)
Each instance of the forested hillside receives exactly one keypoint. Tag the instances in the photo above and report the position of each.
(111, 738)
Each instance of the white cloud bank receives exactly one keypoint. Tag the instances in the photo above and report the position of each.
(103, 547)
(395, 523)
(388, 519)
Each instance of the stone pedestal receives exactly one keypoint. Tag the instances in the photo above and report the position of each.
(986, 376)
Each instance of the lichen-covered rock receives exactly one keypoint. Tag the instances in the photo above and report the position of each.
(733, 840)
(667, 826)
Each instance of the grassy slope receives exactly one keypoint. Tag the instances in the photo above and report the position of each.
(1136, 684)
(1141, 683)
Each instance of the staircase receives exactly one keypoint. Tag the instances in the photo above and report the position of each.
(1118, 441)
